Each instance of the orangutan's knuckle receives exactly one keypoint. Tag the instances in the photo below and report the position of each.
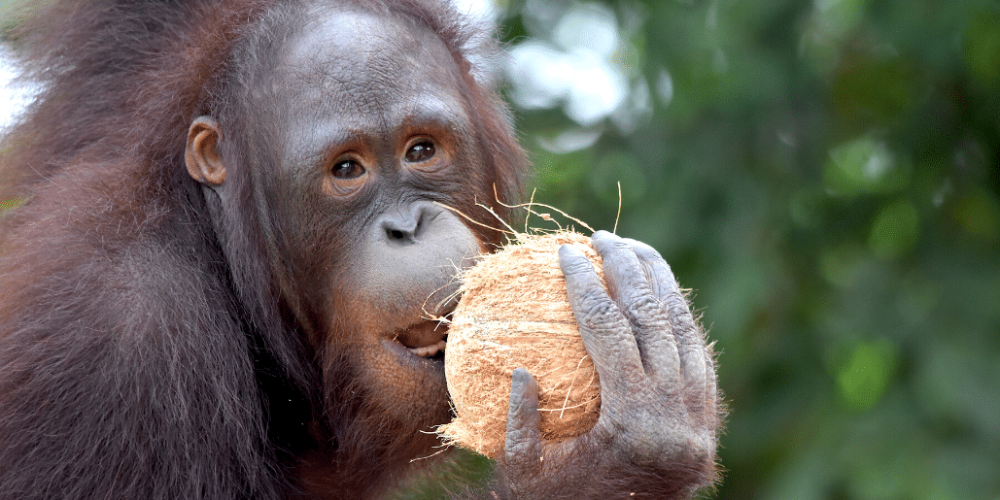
(695, 371)
(596, 295)
(644, 251)
(517, 413)
(598, 309)
(648, 311)
(662, 345)
(678, 306)
(643, 303)
(575, 267)
(604, 323)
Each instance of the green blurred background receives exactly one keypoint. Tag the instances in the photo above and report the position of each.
(826, 177)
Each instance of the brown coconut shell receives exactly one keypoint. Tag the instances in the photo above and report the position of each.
(514, 312)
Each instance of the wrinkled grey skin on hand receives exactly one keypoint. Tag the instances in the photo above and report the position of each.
(659, 400)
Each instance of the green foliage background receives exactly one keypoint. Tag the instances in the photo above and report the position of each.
(831, 193)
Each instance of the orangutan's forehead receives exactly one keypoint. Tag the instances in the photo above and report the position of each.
(357, 63)
(357, 48)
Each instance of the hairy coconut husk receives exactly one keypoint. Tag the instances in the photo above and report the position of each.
(514, 312)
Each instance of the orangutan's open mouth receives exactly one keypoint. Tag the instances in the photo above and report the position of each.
(426, 338)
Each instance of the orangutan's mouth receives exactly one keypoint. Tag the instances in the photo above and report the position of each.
(426, 339)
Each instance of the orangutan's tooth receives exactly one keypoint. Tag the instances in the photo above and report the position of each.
(429, 350)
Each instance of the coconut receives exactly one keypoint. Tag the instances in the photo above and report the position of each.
(514, 312)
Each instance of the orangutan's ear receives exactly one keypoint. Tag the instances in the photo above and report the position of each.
(202, 158)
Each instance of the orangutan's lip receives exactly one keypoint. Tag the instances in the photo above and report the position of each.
(408, 357)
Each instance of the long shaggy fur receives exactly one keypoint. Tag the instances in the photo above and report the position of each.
(144, 350)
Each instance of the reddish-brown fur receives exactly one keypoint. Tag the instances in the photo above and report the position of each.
(134, 362)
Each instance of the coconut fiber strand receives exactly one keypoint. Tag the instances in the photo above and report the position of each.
(514, 312)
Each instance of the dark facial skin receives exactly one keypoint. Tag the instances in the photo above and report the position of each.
(370, 156)
(365, 164)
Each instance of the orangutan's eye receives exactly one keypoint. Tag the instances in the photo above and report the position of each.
(348, 169)
(420, 152)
